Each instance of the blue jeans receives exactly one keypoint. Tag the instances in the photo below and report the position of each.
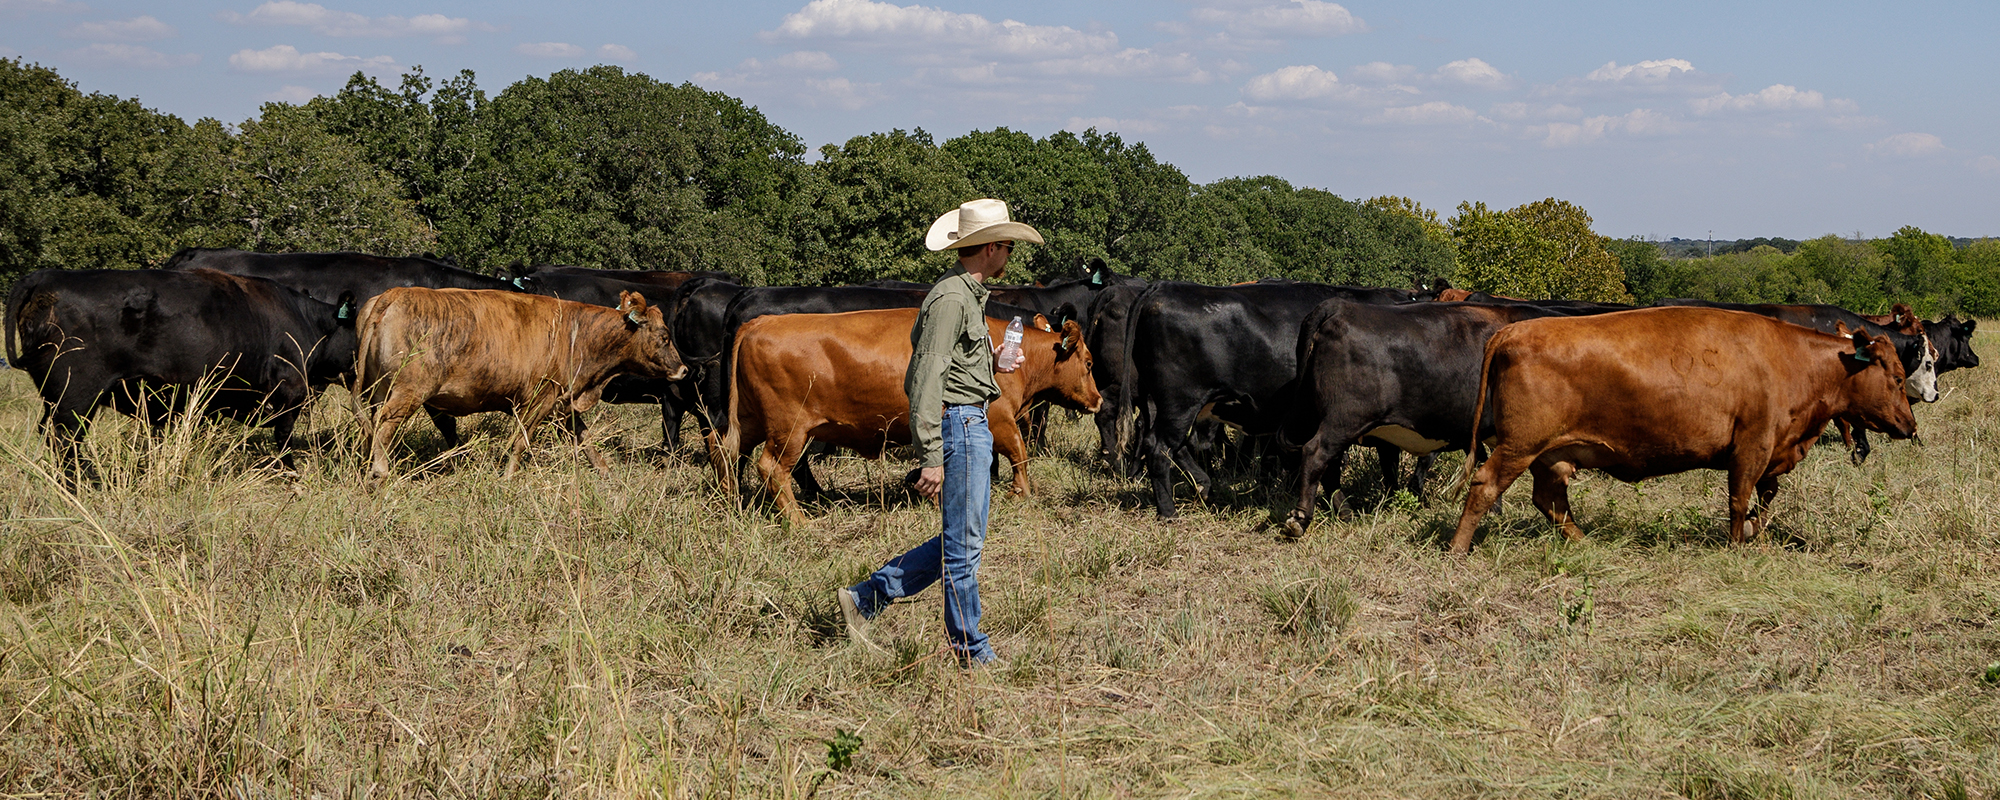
(954, 555)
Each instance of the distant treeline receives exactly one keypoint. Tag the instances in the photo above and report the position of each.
(603, 168)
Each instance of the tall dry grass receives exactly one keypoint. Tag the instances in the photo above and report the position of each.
(199, 625)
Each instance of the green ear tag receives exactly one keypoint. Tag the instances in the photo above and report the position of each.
(344, 312)
(633, 317)
(521, 283)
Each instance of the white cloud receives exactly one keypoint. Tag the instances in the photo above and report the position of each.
(1987, 165)
(1433, 113)
(616, 52)
(869, 22)
(136, 29)
(1297, 19)
(1384, 72)
(1637, 122)
(1472, 72)
(1129, 63)
(1305, 82)
(296, 95)
(1909, 145)
(328, 22)
(808, 61)
(1642, 72)
(549, 50)
(131, 55)
(842, 93)
(1776, 97)
(286, 58)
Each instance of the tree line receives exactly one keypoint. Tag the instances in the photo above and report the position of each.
(604, 168)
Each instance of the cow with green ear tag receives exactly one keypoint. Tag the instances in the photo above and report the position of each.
(460, 351)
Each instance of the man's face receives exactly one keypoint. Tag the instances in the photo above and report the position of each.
(1005, 251)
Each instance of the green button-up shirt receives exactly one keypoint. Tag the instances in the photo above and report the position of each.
(951, 359)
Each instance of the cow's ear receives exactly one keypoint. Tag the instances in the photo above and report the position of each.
(1097, 268)
(1042, 324)
(1861, 343)
(1072, 335)
(1970, 323)
(344, 312)
(634, 306)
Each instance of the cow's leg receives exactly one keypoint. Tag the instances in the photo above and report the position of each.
(574, 423)
(447, 426)
(281, 434)
(1746, 470)
(1390, 458)
(1861, 448)
(1421, 474)
(388, 417)
(1321, 452)
(64, 423)
(1488, 482)
(1552, 495)
(1170, 448)
(804, 482)
(775, 464)
(527, 419)
(1007, 441)
(1759, 520)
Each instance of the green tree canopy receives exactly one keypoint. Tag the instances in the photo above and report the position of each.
(1541, 250)
(878, 196)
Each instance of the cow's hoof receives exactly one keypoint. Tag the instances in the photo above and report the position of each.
(1294, 527)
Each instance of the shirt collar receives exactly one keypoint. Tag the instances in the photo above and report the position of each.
(979, 290)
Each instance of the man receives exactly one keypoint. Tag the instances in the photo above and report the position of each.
(949, 382)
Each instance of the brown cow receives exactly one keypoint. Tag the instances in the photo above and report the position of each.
(838, 378)
(1899, 319)
(1657, 391)
(466, 351)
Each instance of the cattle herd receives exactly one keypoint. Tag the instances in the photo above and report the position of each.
(1550, 387)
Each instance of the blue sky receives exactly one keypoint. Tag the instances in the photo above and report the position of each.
(1662, 119)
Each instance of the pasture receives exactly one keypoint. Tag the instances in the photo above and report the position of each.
(202, 627)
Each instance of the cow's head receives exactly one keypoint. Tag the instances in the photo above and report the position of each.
(1881, 397)
(1072, 370)
(1953, 340)
(651, 351)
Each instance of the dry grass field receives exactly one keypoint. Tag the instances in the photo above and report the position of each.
(203, 627)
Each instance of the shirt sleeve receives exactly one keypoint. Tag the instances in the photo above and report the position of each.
(932, 342)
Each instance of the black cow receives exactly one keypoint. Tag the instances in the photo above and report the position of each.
(141, 340)
(666, 279)
(327, 276)
(1110, 316)
(1953, 339)
(1227, 350)
(1402, 378)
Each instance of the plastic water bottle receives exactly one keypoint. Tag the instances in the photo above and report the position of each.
(1010, 347)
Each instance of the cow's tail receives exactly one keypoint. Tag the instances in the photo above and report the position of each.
(1304, 404)
(1128, 367)
(14, 300)
(1479, 405)
(725, 444)
(365, 332)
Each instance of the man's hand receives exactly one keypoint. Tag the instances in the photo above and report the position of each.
(930, 482)
(1019, 359)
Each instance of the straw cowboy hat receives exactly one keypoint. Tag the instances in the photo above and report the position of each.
(977, 222)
